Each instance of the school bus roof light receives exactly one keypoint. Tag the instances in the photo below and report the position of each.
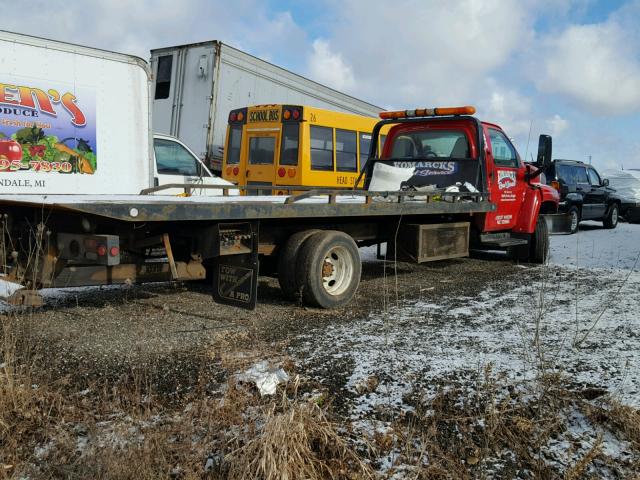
(233, 116)
(240, 116)
(428, 112)
(287, 114)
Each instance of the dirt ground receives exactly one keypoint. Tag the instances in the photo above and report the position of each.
(422, 352)
(101, 331)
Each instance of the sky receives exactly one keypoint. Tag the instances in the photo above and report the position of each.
(568, 68)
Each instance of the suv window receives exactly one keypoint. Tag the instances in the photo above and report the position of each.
(572, 174)
(504, 155)
(581, 175)
(173, 159)
(594, 178)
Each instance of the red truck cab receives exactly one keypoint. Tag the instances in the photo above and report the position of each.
(449, 149)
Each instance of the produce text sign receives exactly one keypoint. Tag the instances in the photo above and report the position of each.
(47, 128)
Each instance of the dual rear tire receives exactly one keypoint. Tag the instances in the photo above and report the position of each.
(320, 267)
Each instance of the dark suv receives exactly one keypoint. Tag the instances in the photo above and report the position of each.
(583, 193)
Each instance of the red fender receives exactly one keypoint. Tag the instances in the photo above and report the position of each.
(528, 215)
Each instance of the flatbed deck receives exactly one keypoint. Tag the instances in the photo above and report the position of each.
(151, 208)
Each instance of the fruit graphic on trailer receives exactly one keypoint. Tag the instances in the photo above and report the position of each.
(10, 152)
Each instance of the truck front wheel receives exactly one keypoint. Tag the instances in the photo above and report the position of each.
(329, 269)
(537, 250)
(539, 243)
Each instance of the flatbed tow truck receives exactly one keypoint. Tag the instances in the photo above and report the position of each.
(470, 191)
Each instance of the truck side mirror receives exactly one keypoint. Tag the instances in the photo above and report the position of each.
(544, 151)
(605, 182)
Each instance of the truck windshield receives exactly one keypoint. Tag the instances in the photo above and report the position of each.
(173, 159)
(430, 144)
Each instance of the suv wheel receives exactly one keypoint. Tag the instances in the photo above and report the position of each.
(574, 214)
(611, 220)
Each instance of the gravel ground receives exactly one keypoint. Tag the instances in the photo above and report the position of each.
(450, 316)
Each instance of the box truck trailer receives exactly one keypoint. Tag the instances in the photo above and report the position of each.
(76, 120)
(196, 86)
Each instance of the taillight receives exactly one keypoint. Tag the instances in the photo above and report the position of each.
(282, 172)
(236, 170)
(229, 170)
(292, 172)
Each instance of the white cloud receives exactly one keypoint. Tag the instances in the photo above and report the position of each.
(329, 68)
(556, 125)
(595, 65)
(416, 53)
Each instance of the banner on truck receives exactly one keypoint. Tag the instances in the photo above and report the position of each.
(47, 128)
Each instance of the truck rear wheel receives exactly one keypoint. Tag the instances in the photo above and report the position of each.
(329, 269)
(287, 261)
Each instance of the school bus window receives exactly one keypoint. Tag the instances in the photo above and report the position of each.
(346, 152)
(261, 150)
(290, 142)
(321, 148)
(235, 141)
(365, 145)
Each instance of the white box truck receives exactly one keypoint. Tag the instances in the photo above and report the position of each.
(76, 120)
(195, 87)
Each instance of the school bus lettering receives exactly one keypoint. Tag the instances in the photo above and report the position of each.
(344, 180)
(256, 116)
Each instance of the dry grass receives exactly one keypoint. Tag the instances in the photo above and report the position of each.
(500, 430)
(294, 443)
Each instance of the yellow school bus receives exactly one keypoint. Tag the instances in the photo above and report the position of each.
(293, 145)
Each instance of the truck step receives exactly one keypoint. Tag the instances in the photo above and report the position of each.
(511, 242)
(501, 240)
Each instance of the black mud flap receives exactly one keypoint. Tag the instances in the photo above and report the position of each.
(235, 269)
(558, 222)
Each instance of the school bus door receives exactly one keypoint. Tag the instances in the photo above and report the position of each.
(262, 148)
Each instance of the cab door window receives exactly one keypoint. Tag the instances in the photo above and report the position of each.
(504, 154)
(173, 159)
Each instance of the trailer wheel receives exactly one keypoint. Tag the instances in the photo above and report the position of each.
(329, 269)
(539, 243)
(287, 261)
